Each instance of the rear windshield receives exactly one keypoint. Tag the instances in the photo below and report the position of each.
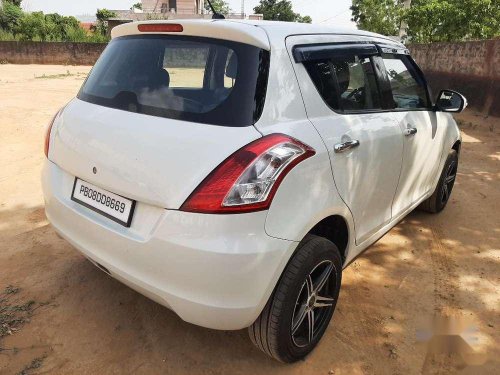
(194, 79)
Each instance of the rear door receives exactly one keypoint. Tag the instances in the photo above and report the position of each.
(412, 110)
(344, 103)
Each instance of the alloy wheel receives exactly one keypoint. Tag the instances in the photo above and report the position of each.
(314, 304)
(449, 181)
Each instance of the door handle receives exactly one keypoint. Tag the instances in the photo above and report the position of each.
(344, 146)
(410, 131)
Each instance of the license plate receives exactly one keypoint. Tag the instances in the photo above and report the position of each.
(111, 205)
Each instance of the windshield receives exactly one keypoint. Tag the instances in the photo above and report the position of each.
(194, 79)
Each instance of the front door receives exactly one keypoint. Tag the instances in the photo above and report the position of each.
(413, 113)
(343, 101)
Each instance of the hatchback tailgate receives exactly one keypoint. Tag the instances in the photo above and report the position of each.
(150, 159)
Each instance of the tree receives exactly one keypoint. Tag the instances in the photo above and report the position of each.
(378, 16)
(136, 6)
(280, 10)
(430, 20)
(10, 16)
(304, 19)
(101, 26)
(32, 26)
(37, 26)
(451, 20)
(220, 6)
(103, 15)
(17, 3)
(59, 27)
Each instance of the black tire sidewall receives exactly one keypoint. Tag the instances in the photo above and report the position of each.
(315, 250)
(438, 205)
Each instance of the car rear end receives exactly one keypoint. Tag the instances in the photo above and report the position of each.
(156, 173)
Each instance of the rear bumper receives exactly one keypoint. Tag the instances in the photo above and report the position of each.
(216, 271)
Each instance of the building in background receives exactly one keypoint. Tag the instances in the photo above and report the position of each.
(87, 26)
(173, 6)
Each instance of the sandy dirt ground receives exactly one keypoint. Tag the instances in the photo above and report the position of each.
(61, 315)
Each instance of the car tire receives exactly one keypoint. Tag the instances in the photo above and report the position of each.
(438, 200)
(308, 290)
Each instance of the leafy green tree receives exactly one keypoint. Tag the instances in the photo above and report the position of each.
(451, 20)
(48, 27)
(430, 20)
(32, 26)
(17, 3)
(136, 6)
(10, 16)
(60, 26)
(303, 19)
(280, 10)
(102, 16)
(220, 6)
(37, 26)
(378, 16)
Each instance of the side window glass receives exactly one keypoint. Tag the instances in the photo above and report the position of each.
(408, 87)
(347, 83)
(357, 84)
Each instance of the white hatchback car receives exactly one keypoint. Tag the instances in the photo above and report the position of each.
(229, 170)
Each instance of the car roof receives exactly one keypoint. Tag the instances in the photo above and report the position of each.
(252, 32)
(296, 28)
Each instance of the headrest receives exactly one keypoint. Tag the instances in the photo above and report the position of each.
(343, 76)
(159, 78)
(232, 66)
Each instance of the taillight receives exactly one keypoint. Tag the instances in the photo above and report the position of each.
(47, 134)
(160, 28)
(248, 179)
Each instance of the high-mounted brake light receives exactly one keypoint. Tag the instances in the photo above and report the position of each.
(160, 28)
(248, 179)
(47, 133)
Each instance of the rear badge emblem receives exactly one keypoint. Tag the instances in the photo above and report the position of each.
(94, 170)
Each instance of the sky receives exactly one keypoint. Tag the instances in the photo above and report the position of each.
(328, 12)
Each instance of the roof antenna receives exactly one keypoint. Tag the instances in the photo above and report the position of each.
(216, 15)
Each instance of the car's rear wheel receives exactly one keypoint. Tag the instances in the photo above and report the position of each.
(297, 314)
(438, 200)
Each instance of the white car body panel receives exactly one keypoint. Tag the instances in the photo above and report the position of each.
(284, 112)
(421, 158)
(218, 271)
(181, 260)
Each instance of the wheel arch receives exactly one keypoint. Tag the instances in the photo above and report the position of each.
(334, 228)
(457, 146)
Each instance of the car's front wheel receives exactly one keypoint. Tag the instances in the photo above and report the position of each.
(437, 201)
(297, 314)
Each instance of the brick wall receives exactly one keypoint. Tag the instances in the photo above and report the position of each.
(55, 53)
(472, 68)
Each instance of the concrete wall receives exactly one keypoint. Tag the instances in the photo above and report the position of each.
(472, 68)
(50, 53)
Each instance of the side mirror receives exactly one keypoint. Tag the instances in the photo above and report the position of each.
(450, 101)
